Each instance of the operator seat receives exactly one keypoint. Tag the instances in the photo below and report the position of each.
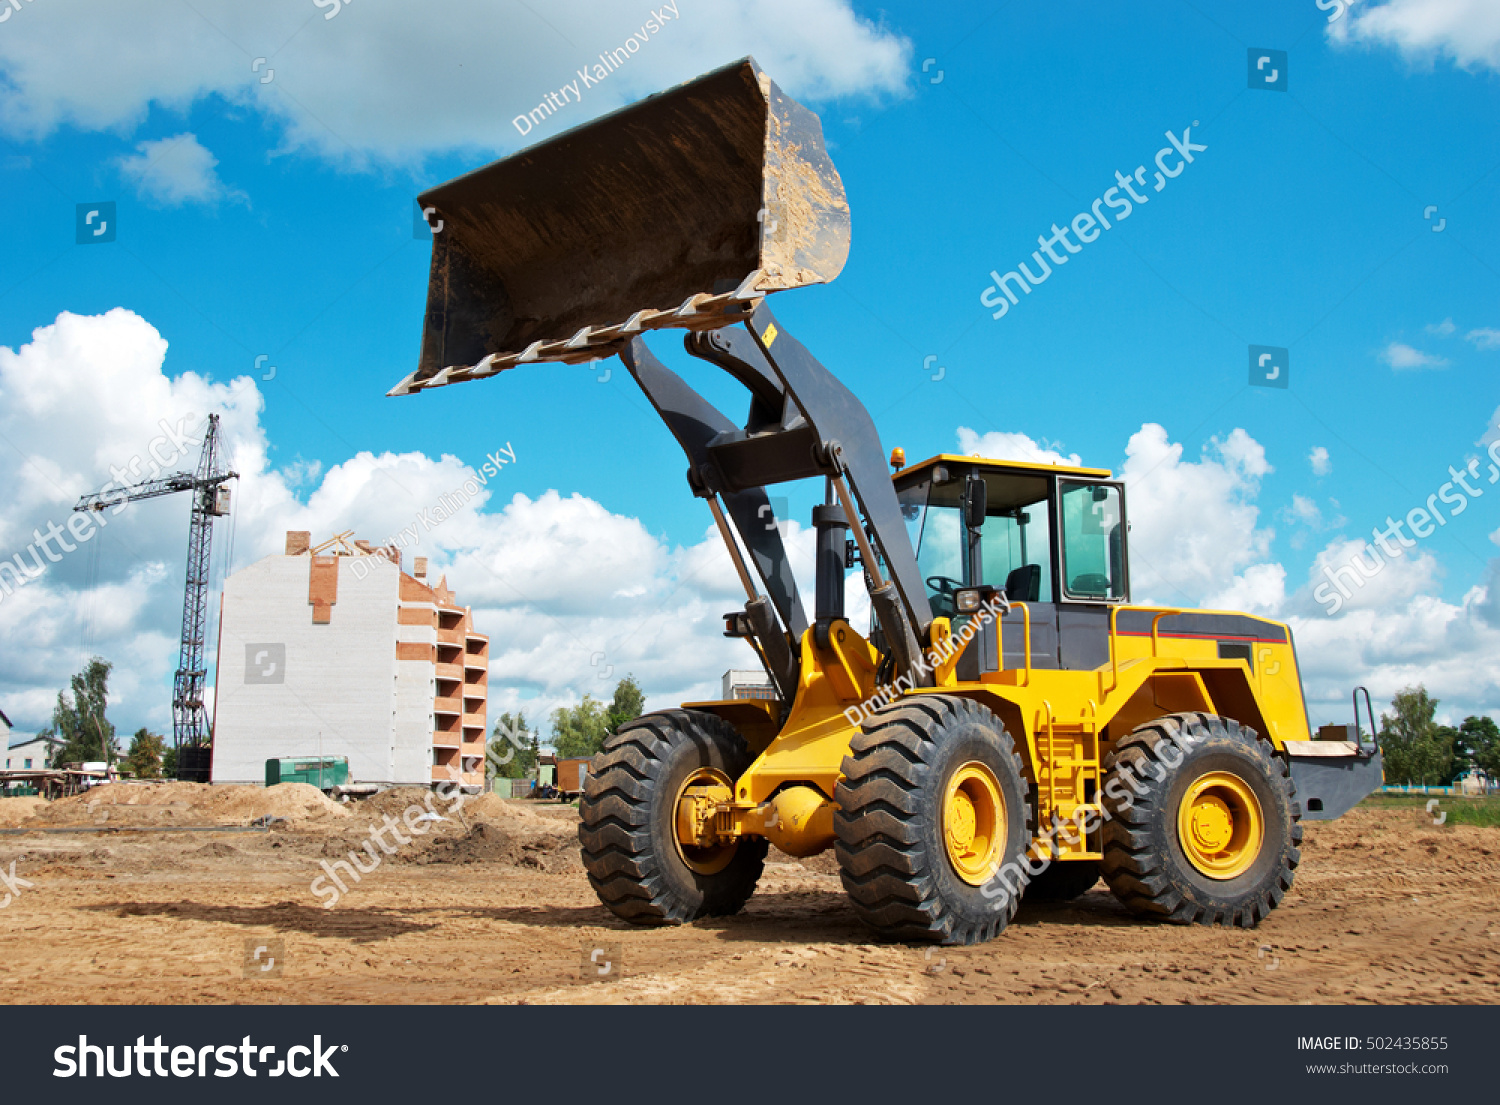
(1024, 584)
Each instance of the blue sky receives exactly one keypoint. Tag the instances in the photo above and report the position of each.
(281, 226)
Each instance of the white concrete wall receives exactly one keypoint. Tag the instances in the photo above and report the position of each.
(415, 689)
(339, 689)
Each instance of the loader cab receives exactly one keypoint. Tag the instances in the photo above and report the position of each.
(1052, 537)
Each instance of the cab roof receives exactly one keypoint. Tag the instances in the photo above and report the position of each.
(1007, 466)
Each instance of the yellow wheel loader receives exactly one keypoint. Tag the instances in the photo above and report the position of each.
(1011, 723)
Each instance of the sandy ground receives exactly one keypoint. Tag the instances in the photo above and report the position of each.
(493, 907)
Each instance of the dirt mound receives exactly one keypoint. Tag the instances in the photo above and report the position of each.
(516, 815)
(14, 811)
(395, 802)
(484, 843)
(148, 804)
(488, 843)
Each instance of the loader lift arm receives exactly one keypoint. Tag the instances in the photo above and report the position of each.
(803, 423)
(695, 423)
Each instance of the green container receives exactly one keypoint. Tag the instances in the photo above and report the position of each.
(333, 771)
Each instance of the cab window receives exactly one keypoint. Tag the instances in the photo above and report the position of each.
(1093, 538)
(1016, 543)
(934, 521)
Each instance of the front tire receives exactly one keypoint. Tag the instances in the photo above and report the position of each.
(629, 813)
(1204, 824)
(932, 808)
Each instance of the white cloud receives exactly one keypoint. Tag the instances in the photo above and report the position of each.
(1318, 458)
(398, 81)
(1414, 638)
(1193, 523)
(1401, 356)
(1484, 338)
(88, 393)
(1356, 574)
(1001, 445)
(174, 171)
(1492, 430)
(1442, 329)
(1259, 589)
(1303, 510)
(1465, 31)
(84, 395)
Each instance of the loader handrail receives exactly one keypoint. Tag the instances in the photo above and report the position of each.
(1114, 634)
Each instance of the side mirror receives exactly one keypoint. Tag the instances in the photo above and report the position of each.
(974, 502)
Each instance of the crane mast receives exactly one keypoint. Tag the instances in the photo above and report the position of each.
(190, 731)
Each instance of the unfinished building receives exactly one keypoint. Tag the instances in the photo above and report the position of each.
(336, 651)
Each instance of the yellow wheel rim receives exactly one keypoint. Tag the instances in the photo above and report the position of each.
(1220, 825)
(704, 861)
(974, 823)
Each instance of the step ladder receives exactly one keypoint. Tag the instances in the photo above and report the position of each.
(1068, 784)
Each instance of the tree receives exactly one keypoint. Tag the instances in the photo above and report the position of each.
(169, 764)
(1458, 761)
(579, 730)
(79, 721)
(144, 757)
(513, 748)
(1481, 743)
(628, 703)
(1416, 749)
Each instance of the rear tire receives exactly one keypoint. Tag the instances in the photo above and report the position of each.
(628, 828)
(1210, 839)
(931, 807)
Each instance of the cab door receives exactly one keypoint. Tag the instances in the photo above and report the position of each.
(1092, 571)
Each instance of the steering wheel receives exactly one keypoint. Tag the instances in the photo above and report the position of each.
(945, 602)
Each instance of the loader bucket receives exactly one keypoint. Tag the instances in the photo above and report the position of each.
(678, 211)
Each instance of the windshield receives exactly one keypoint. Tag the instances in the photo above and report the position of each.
(1015, 546)
(935, 525)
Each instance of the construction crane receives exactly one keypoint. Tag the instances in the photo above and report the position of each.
(210, 501)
